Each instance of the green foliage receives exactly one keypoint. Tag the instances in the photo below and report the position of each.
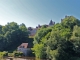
(70, 22)
(40, 34)
(54, 54)
(60, 42)
(17, 54)
(75, 58)
(75, 38)
(39, 50)
(12, 35)
(3, 54)
(10, 54)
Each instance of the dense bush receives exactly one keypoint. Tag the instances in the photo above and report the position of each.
(17, 54)
(59, 42)
(3, 54)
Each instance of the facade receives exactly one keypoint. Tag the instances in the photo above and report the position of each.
(23, 48)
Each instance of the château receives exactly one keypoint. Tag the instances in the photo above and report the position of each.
(32, 31)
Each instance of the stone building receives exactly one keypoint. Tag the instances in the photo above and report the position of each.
(34, 30)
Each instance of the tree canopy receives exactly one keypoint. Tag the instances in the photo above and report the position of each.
(59, 42)
(12, 35)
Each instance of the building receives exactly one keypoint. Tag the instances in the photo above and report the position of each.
(24, 48)
(33, 31)
(51, 23)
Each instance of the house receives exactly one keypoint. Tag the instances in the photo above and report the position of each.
(24, 48)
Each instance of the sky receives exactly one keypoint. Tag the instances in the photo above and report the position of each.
(34, 12)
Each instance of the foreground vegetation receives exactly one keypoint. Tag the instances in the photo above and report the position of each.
(5, 54)
(59, 42)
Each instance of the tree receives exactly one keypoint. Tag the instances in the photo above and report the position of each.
(40, 34)
(75, 38)
(70, 22)
(39, 42)
(12, 34)
(39, 51)
(61, 42)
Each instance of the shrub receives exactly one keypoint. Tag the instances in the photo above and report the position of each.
(10, 54)
(17, 54)
(3, 54)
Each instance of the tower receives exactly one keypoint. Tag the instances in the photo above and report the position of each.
(51, 23)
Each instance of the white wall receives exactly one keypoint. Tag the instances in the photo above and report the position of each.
(24, 50)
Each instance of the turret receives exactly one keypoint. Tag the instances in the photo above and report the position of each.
(51, 23)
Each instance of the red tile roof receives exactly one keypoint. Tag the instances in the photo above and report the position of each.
(24, 45)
